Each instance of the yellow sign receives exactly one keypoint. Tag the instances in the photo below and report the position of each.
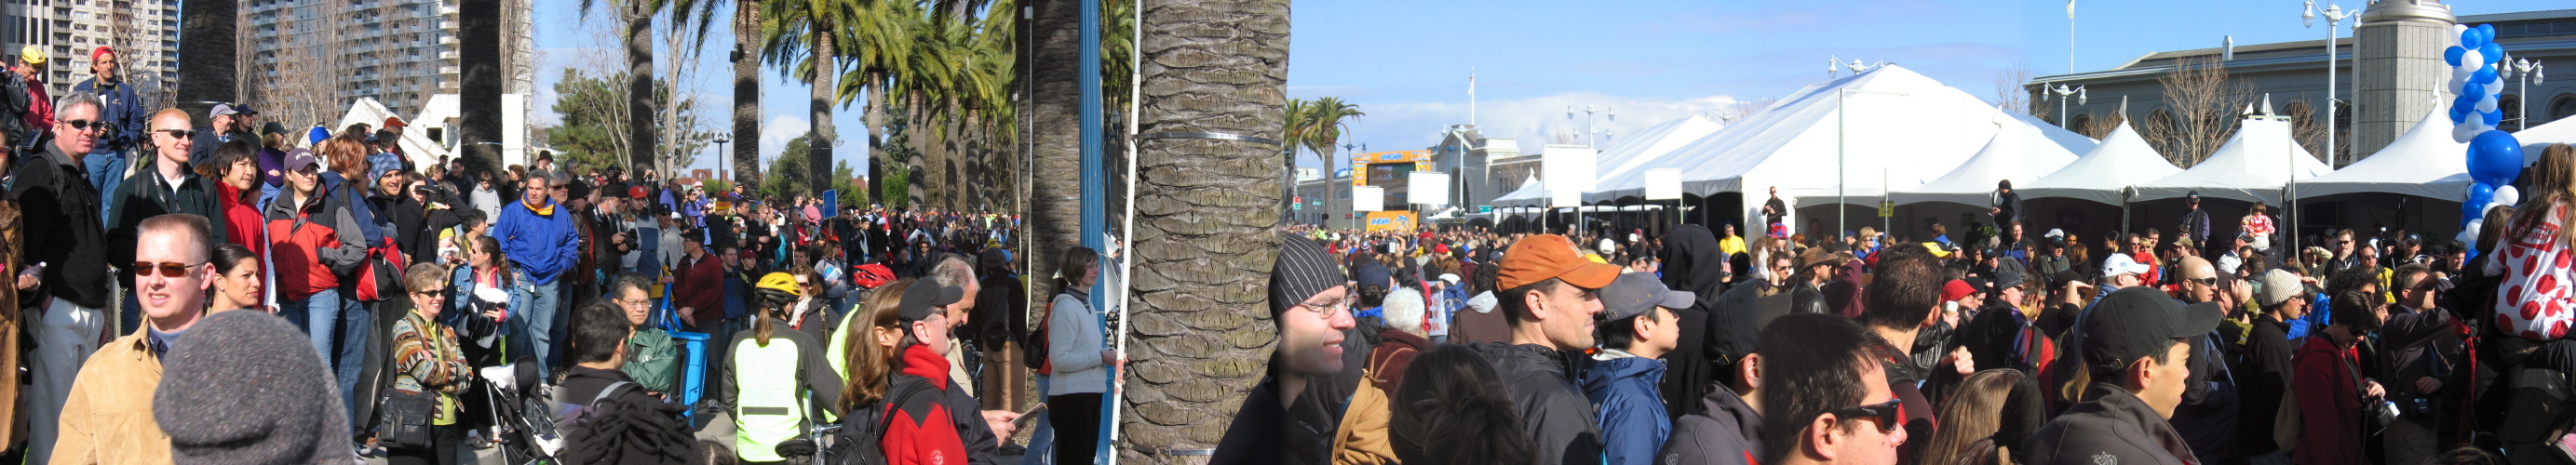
(1401, 221)
(1390, 157)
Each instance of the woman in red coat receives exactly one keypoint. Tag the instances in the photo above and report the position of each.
(2333, 397)
(235, 169)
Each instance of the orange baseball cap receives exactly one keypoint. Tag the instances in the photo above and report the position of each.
(1538, 258)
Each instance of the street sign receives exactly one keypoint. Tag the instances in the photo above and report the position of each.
(1484, 209)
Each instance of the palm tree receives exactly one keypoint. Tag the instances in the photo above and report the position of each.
(1292, 129)
(206, 67)
(1326, 118)
(638, 15)
(746, 91)
(802, 37)
(1055, 206)
(1206, 208)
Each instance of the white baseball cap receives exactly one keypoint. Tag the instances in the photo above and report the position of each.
(2119, 264)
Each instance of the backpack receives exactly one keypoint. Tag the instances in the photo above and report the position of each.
(1034, 350)
(575, 415)
(861, 440)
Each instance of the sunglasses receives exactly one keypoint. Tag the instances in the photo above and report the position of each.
(168, 269)
(1890, 414)
(174, 133)
(83, 125)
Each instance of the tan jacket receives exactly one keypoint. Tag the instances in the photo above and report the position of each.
(108, 419)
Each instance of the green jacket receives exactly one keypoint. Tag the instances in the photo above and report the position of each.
(653, 359)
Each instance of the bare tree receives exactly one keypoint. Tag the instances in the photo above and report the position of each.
(2012, 91)
(2203, 105)
(2101, 126)
(2306, 128)
(298, 82)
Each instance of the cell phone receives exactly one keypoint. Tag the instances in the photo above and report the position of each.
(1029, 416)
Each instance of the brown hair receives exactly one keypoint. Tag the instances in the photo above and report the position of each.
(345, 155)
(2553, 181)
(869, 367)
(1974, 412)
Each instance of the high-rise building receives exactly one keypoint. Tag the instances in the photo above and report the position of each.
(144, 33)
(308, 60)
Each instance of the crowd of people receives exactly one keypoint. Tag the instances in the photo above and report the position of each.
(1460, 345)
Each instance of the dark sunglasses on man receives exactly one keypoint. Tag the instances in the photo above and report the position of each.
(168, 269)
(1890, 414)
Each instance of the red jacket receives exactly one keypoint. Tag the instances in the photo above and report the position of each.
(698, 285)
(241, 220)
(2329, 395)
(312, 244)
(943, 428)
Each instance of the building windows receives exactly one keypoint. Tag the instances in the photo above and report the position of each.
(2562, 107)
(2083, 124)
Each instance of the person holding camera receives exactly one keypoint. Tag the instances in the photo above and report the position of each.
(2417, 350)
(2336, 404)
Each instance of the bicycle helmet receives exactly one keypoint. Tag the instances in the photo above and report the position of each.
(870, 276)
(778, 288)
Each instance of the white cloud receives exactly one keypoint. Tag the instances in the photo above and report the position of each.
(1533, 121)
(780, 129)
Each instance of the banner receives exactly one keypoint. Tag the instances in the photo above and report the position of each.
(1402, 221)
(1570, 172)
(1427, 188)
(1368, 198)
(1664, 184)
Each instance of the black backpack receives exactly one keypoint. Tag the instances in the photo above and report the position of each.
(862, 435)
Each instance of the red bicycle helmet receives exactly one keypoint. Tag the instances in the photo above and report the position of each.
(871, 275)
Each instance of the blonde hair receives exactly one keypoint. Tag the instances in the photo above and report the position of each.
(1975, 412)
(870, 366)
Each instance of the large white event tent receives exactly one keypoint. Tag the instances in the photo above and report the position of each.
(2018, 153)
(1649, 146)
(2253, 166)
(1531, 194)
(2562, 131)
(2424, 162)
(2123, 159)
(1794, 144)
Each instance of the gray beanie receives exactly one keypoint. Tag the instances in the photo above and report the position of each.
(1304, 268)
(246, 387)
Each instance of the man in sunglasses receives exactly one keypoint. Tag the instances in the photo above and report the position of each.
(101, 422)
(164, 185)
(73, 284)
(2137, 350)
(2418, 350)
(1824, 399)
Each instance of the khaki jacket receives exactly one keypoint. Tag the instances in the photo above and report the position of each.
(108, 419)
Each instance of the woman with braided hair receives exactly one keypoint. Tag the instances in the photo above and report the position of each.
(772, 375)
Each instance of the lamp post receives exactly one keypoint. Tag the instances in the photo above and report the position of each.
(720, 165)
(2525, 72)
(1590, 136)
(2334, 18)
(1842, 182)
(2062, 91)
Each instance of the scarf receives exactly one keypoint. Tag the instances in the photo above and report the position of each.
(545, 210)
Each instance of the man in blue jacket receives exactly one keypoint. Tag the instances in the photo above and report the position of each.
(537, 235)
(124, 117)
(1640, 328)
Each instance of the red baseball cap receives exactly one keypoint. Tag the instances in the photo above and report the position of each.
(101, 50)
(1956, 289)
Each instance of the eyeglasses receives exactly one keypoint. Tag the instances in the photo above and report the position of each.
(431, 293)
(168, 269)
(1890, 414)
(173, 133)
(1327, 308)
(83, 125)
(2204, 282)
(637, 302)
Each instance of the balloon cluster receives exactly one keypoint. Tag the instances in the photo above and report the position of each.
(2495, 158)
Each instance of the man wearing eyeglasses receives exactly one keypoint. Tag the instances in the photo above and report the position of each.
(1285, 420)
(2136, 348)
(124, 114)
(101, 421)
(164, 185)
(70, 250)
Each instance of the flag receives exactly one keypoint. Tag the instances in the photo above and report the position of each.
(2070, 10)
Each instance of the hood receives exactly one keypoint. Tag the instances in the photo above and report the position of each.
(1725, 406)
(1515, 361)
(1626, 369)
(1693, 263)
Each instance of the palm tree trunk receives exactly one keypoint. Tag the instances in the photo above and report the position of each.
(1205, 211)
(206, 67)
(639, 84)
(818, 163)
(746, 92)
(1055, 191)
(876, 120)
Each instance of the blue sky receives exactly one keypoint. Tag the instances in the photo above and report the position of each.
(1406, 62)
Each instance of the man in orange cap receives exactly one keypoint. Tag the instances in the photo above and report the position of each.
(1549, 296)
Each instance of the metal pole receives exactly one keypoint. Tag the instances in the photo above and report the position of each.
(1095, 208)
(2331, 52)
(1111, 410)
(1842, 181)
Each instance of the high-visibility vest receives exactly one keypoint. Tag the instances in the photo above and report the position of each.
(769, 404)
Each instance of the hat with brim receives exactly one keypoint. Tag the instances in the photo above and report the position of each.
(1635, 294)
(2120, 264)
(1549, 256)
(2141, 322)
(299, 158)
(924, 298)
(1818, 256)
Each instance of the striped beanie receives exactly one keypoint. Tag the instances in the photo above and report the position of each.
(1303, 270)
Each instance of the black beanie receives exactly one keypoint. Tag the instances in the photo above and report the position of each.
(1303, 269)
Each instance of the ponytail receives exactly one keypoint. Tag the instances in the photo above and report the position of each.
(760, 326)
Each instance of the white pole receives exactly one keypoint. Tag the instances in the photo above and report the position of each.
(1842, 188)
(1127, 266)
(2331, 36)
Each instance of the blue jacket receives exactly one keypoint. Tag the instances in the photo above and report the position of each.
(542, 246)
(737, 293)
(1631, 409)
(121, 110)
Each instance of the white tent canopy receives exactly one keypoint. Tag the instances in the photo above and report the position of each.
(1532, 193)
(1803, 144)
(2253, 166)
(2018, 153)
(2424, 162)
(2562, 131)
(1651, 145)
(2123, 159)
(2074, 143)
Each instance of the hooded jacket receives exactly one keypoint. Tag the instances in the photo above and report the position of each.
(1552, 408)
(58, 201)
(935, 429)
(312, 245)
(541, 246)
(1694, 262)
(1622, 387)
(2111, 426)
(1729, 432)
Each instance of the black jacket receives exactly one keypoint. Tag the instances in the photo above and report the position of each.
(145, 195)
(2111, 426)
(1726, 432)
(409, 221)
(1553, 409)
(2262, 375)
(629, 426)
(1691, 263)
(62, 226)
(1263, 432)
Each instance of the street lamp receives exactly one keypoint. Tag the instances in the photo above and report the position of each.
(721, 171)
(2334, 18)
(1590, 135)
(2062, 91)
(2526, 72)
(1842, 182)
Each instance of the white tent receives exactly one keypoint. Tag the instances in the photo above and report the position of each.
(1803, 144)
(2253, 166)
(1652, 144)
(2562, 131)
(2018, 153)
(2424, 162)
(2123, 159)
(2074, 143)
(1531, 194)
